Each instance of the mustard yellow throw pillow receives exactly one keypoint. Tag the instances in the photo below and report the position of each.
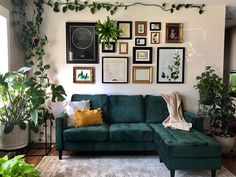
(88, 117)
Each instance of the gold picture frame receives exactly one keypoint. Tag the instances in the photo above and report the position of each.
(142, 74)
(174, 32)
(123, 47)
(83, 74)
(140, 28)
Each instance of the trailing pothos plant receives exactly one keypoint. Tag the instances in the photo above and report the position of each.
(107, 31)
(23, 98)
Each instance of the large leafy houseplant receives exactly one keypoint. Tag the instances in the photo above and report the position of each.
(107, 31)
(22, 98)
(208, 85)
(16, 167)
(222, 112)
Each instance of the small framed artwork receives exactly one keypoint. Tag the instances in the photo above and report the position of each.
(142, 55)
(126, 29)
(155, 38)
(106, 48)
(155, 26)
(142, 74)
(81, 43)
(140, 28)
(123, 47)
(174, 32)
(140, 41)
(83, 74)
(170, 64)
(115, 69)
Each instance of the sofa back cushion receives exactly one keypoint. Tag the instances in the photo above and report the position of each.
(156, 109)
(127, 109)
(96, 101)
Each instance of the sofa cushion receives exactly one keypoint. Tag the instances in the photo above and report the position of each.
(90, 133)
(130, 132)
(127, 109)
(156, 109)
(179, 143)
(96, 101)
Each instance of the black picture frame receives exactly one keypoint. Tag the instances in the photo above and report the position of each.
(142, 55)
(168, 59)
(81, 43)
(126, 27)
(155, 26)
(115, 70)
(109, 49)
(140, 41)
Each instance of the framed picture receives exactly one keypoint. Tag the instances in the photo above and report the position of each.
(81, 43)
(155, 26)
(170, 64)
(155, 38)
(126, 29)
(174, 32)
(83, 74)
(106, 48)
(142, 55)
(142, 74)
(140, 41)
(123, 47)
(115, 69)
(140, 28)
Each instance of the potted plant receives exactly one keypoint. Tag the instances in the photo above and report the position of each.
(22, 99)
(208, 84)
(107, 31)
(17, 167)
(222, 116)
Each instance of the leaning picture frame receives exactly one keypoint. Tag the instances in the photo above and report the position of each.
(81, 43)
(115, 69)
(142, 55)
(126, 29)
(83, 74)
(174, 32)
(142, 74)
(170, 64)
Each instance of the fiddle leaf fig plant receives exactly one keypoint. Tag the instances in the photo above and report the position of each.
(107, 31)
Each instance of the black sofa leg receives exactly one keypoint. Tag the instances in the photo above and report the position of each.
(160, 160)
(213, 173)
(172, 173)
(60, 155)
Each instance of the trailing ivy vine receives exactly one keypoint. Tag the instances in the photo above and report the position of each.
(77, 5)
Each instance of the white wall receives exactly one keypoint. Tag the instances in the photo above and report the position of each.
(16, 54)
(203, 39)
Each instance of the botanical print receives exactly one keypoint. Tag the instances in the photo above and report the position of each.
(125, 29)
(83, 74)
(170, 65)
(172, 71)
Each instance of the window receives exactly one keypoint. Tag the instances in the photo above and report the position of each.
(4, 37)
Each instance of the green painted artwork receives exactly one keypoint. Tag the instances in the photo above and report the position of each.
(82, 76)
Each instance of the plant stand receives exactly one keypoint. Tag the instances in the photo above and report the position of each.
(47, 145)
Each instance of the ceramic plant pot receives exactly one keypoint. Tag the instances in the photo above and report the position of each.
(226, 143)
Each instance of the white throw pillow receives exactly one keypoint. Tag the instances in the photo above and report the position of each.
(72, 107)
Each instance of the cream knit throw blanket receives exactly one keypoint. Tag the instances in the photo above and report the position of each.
(175, 119)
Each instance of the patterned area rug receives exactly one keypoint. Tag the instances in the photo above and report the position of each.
(114, 166)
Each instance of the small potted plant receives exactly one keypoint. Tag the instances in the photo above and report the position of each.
(208, 84)
(17, 167)
(222, 116)
(107, 31)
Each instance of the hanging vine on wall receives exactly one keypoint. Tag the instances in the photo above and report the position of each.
(77, 5)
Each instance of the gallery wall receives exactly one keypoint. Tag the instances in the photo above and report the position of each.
(203, 39)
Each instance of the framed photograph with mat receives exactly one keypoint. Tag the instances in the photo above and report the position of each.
(81, 43)
(140, 41)
(140, 28)
(83, 74)
(170, 64)
(142, 55)
(106, 48)
(115, 69)
(155, 26)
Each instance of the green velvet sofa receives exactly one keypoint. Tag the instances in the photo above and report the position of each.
(133, 123)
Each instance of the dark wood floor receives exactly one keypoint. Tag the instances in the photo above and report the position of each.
(228, 161)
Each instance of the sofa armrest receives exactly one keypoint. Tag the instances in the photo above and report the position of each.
(196, 121)
(61, 122)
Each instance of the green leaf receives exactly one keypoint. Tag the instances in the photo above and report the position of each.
(34, 116)
(22, 125)
(64, 9)
(25, 69)
(37, 73)
(47, 67)
(8, 127)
